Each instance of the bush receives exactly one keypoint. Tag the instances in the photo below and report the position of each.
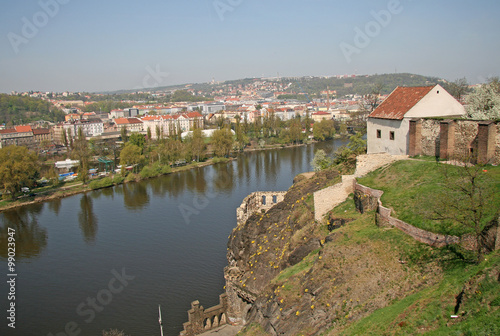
(321, 161)
(155, 170)
(102, 183)
(118, 179)
(219, 159)
(131, 177)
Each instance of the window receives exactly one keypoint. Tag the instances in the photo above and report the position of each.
(379, 134)
(391, 135)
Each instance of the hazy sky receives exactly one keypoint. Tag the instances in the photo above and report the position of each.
(77, 45)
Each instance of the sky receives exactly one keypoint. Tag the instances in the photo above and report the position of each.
(76, 45)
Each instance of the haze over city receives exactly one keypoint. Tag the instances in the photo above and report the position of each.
(56, 45)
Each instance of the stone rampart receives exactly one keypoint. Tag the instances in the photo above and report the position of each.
(258, 201)
(459, 138)
(201, 319)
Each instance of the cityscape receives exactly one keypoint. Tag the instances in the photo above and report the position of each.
(249, 168)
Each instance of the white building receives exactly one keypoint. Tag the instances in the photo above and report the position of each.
(388, 125)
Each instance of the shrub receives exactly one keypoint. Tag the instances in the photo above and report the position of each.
(131, 177)
(154, 170)
(102, 183)
(118, 179)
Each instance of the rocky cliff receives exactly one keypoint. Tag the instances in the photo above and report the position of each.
(288, 274)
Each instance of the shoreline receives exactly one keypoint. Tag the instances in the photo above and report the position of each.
(69, 191)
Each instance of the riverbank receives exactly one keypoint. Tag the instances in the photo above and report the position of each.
(78, 188)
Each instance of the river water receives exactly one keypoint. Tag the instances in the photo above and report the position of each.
(106, 259)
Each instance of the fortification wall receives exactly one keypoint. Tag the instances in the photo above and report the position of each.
(258, 201)
(201, 319)
(384, 218)
(456, 139)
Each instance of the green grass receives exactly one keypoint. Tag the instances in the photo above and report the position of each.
(429, 311)
(303, 266)
(413, 189)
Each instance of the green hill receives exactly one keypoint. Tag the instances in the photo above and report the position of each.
(16, 110)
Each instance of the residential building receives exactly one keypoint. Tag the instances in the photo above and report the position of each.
(19, 136)
(130, 124)
(388, 124)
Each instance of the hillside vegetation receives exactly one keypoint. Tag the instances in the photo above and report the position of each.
(354, 278)
(16, 110)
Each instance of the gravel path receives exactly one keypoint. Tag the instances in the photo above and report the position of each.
(328, 198)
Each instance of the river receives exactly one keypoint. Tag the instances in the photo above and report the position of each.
(107, 259)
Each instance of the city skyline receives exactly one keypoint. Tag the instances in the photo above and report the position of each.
(64, 45)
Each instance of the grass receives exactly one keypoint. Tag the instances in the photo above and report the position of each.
(302, 267)
(429, 311)
(414, 188)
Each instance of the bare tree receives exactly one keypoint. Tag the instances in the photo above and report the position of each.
(467, 200)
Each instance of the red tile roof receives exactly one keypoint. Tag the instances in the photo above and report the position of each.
(400, 101)
(23, 129)
(122, 121)
(39, 131)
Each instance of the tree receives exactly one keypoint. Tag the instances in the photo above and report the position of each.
(18, 168)
(137, 139)
(484, 102)
(372, 100)
(347, 154)
(241, 138)
(467, 199)
(159, 133)
(222, 142)
(323, 130)
(64, 138)
(197, 144)
(295, 130)
(320, 160)
(458, 88)
(81, 152)
(123, 133)
(148, 134)
(131, 155)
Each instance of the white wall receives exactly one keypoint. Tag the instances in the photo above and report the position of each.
(398, 146)
(436, 104)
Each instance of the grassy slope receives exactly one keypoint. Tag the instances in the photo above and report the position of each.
(382, 282)
(412, 188)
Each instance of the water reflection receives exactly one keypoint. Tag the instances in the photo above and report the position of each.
(87, 219)
(55, 206)
(135, 195)
(30, 238)
(224, 177)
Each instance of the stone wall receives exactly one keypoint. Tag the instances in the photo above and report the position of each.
(201, 319)
(384, 218)
(456, 139)
(258, 201)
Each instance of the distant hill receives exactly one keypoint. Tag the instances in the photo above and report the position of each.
(16, 110)
(313, 86)
(363, 84)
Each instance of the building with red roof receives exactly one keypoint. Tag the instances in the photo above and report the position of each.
(19, 136)
(388, 125)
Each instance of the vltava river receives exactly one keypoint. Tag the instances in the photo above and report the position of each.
(106, 259)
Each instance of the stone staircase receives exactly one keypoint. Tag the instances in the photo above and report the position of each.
(328, 198)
